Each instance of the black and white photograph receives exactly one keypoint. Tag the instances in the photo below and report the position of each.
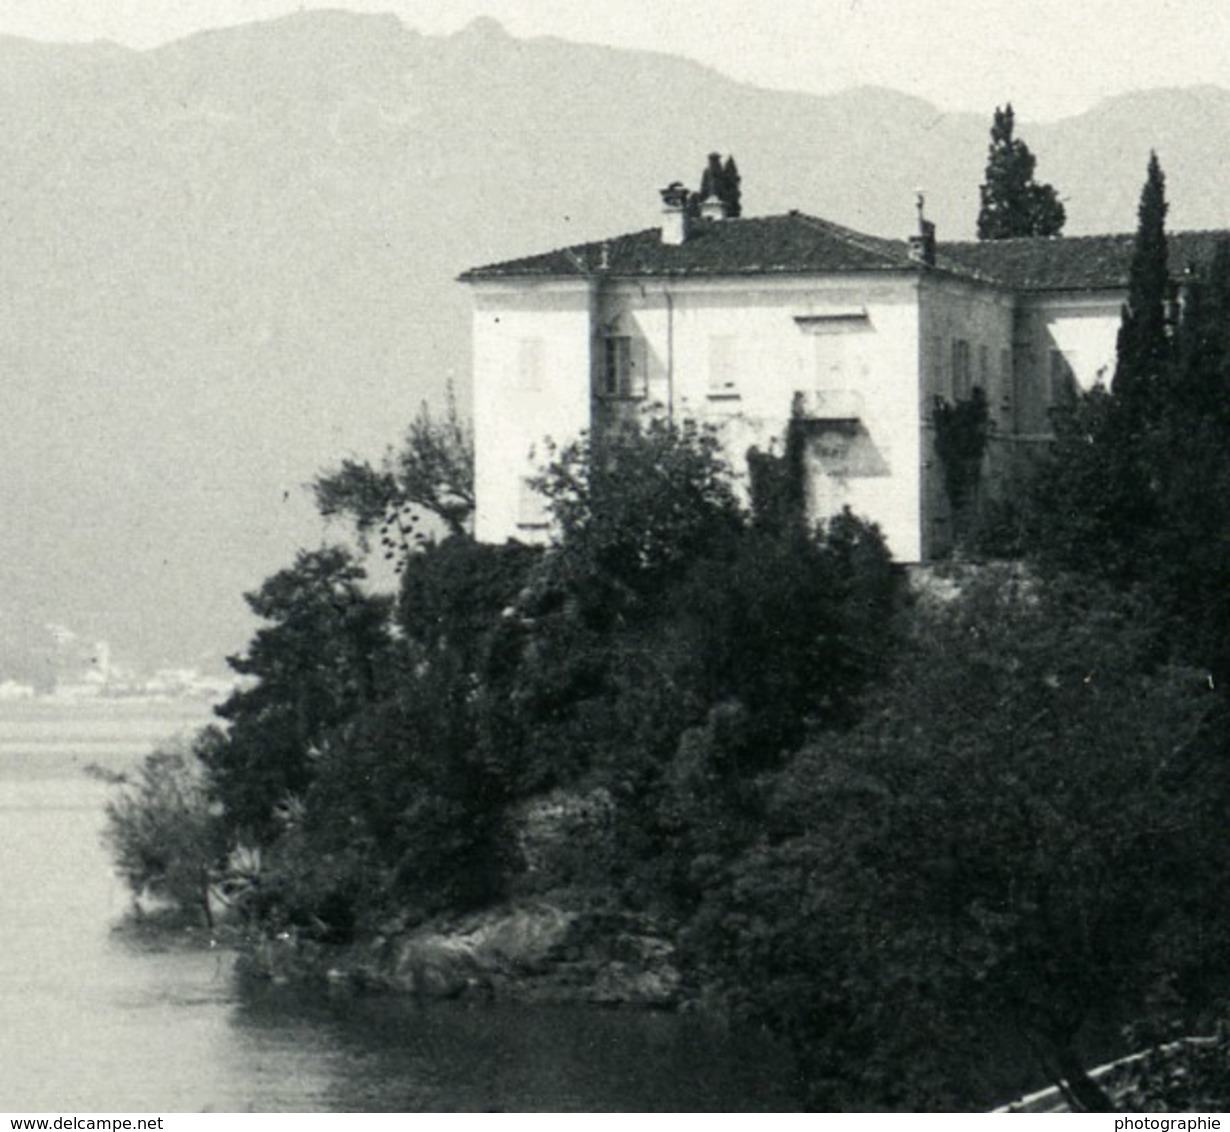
(657, 556)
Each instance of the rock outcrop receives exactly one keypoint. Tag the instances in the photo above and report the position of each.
(526, 951)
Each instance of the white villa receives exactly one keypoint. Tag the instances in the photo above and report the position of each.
(734, 321)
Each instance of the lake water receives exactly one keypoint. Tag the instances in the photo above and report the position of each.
(95, 1018)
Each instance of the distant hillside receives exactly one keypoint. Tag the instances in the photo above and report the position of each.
(231, 260)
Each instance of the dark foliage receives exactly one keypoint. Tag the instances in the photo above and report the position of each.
(1143, 347)
(377, 768)
(323, 656)
(1091, 496)
(1013, 203)
(431, 478)
(719, 181)
(1014, 836)
(961, 433)
(164, 838)
(778, 484)
(1135, 488)
(635, 507)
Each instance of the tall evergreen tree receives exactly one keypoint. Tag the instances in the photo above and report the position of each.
(1144, 344)
(733, 194)
(711, 178)
(1013, 203)
(1136, 488)
(721, 182)
(1188, 448)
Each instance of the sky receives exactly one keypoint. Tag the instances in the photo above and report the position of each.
(1051, 58)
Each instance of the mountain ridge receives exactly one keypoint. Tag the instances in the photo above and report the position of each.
(231, 260)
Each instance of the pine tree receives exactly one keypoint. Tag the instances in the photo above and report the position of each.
(1143, 344)
(1013, 204)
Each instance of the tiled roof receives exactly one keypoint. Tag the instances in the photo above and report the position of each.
(1062, 263)
(795, 243)
(1069, 263)
(787, 244)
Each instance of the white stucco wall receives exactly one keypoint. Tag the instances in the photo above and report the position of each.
(847, 344)
(867, 353)
(531, 384)
(954, 310)
(1083, 327)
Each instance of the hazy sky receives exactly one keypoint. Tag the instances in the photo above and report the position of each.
(1050, 57)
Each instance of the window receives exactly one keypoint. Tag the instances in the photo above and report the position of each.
(723, 366)
(962, 379)
(840, 334)
(623, 367)
(984, 368)
(531, 508)
(529, 364)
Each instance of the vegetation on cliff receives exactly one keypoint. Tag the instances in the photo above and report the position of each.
(911, 830)
(896, 826)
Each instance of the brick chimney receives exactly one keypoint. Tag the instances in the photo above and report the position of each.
(674, 213)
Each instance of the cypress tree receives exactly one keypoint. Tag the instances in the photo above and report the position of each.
(711, 178)
(1136, 488)
(722, 183)
(1013, 204)
(1189, 465)
(732, 191)
(1143, 347)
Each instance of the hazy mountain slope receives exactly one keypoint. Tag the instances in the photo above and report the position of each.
(231, 260)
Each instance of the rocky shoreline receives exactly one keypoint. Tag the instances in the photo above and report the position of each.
(524, 951)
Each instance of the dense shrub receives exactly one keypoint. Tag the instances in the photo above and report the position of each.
(165, 839)
(1013, 836)
(322, 657)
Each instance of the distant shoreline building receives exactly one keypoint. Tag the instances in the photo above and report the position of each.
(748, 323)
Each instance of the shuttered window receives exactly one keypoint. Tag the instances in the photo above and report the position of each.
(623, 372)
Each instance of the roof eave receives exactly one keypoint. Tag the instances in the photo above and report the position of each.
(480, 275)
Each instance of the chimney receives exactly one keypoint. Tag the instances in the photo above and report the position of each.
(922, 246)
(674, 213)
(711, 208)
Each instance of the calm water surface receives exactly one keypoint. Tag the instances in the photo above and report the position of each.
(93, 1018)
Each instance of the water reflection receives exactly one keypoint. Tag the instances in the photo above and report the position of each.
(92, 1019)
(395, 1055)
